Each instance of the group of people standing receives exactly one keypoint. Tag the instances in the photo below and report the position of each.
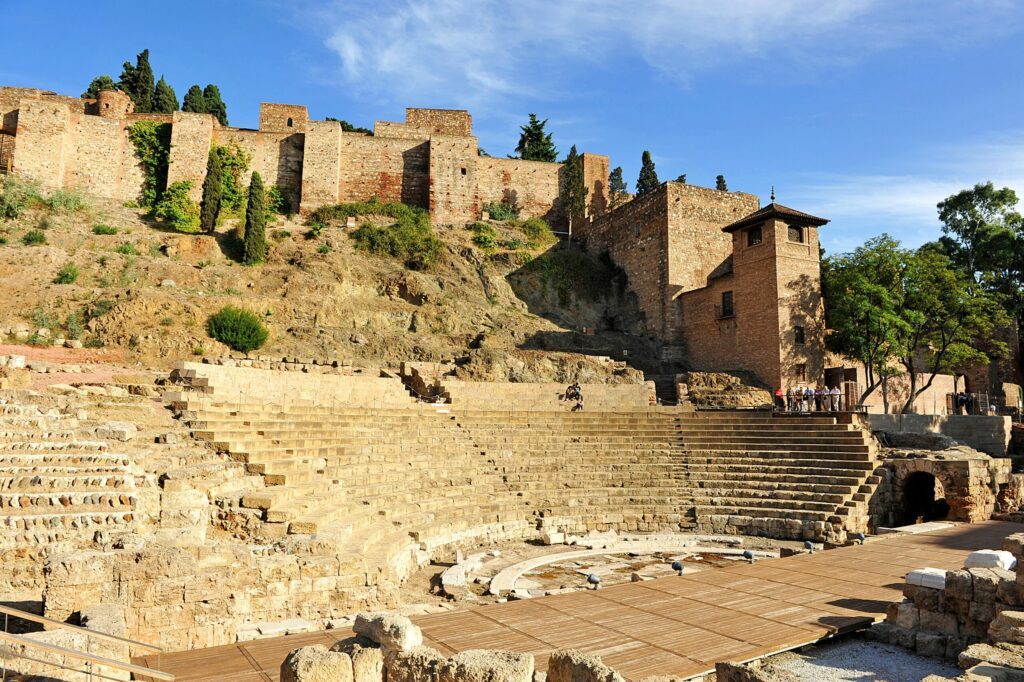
(809, 399)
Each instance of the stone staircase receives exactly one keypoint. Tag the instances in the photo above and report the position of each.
(396, 484)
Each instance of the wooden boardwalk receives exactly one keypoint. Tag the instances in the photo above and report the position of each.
(677, 626)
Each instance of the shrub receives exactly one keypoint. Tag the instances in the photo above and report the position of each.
(484, 236)
(410, 238)
(73, 326)
(93, 342)
(538, 232)
(97, 308)
(177, 208)
(67, 274)
(239, 329)
(325, 215)
(500, 210)
(65, 201)
(34, 238)
(198, 350)
(15, 196)
(277, 202)
(278, 235)
(167, 322)
(127, 249)
(152, 142)
(234, 163)
(104, 229)
(324, 248)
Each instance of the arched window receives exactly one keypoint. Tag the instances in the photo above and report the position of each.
(290, 123)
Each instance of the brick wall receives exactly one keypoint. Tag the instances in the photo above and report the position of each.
(392, 169)
(276, 155)
(636, 237)
(596, 169)
(276, 118)
(191, 137)
(97, 161)
(321, 164)
(453, 188)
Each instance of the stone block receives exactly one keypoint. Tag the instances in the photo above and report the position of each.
(392, 632)
(367, 658)
(941, 623)
(934, 578)
(930, 645)
(316, 664)
(552, 538)
(990, 558)
(419, 664)
(907, 616)
(1014, 544)
(479, 665)
(122, 431)
(960, 585)
(572, 665)
(1008, 626)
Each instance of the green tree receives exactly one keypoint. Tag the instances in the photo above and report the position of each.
(648, 180)
(348, 127)
(893, 309)
(214, 104)
(681, 179)
(975, 220)
(165, 101)
(99, 83)
(256, 223)
(617, 188)
(137, 82)
(534, 143)
(575, 199)
(213, 193)
(720, 184)
(194, 101)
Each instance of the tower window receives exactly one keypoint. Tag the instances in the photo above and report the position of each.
(754, 236)
(726, 309)
(463, 170)
(799, 336)
(290, 123)
(800, 372)
(796, 234)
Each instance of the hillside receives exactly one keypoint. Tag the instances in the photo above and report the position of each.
(147, 290)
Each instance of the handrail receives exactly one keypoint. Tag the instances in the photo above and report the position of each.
(90, 658)
(60, 625)
(53, 664)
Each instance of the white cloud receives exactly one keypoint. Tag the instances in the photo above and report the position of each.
(905, 204)
(470, 52)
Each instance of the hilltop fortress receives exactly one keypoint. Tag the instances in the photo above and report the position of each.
(723, 282)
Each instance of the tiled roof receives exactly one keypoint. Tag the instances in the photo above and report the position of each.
(774, 210)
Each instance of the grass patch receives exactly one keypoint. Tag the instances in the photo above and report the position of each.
(34, 238)
(484, 236)
(127, 249)
(104, 229)
(410, 238)
(67, 274)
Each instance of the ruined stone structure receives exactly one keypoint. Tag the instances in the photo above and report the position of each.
(723, 283)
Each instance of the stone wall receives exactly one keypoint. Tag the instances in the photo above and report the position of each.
(533, 186)
(277, 156)
(391, 169)
(283, 118)
(990, 435)
(453, 194)
(321, 165)
(447, 122)
(191, 136)
(42, 142)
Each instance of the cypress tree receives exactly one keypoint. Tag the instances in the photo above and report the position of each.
(194, 101)
(648, 180)
(256, 222)
(213, 193)
(681, 179)
(164, 99)
(214, 104)
(575, 189)
(720, 184)
(534, 143)
(99, 83)
(137, 81)
(617, 187)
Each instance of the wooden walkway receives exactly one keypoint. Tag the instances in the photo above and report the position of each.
(677, 626)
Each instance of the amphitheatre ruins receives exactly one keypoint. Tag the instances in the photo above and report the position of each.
(395, 486)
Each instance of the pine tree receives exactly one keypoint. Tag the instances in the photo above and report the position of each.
(99, 83)
(534, 143)
(194, 101)
(214, 104)
(681, 179)
(617, 187)
(213, 193)
(256, 222)
(575, 189)
(648, 180)
(164, 99)
(137, 82)
(720, 184)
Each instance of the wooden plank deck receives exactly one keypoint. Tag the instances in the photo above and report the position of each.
(677, 626)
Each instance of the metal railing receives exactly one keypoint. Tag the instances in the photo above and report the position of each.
(89, 659)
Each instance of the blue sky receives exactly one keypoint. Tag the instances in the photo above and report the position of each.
(867, 112)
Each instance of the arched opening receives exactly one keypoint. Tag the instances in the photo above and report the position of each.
(923, 499)
(290, 123)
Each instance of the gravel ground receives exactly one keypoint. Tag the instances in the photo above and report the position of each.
(860, 660)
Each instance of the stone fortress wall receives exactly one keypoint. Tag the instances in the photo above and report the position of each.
(678, 258)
